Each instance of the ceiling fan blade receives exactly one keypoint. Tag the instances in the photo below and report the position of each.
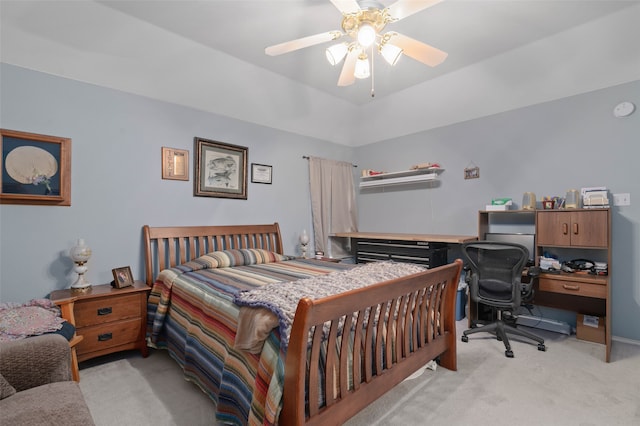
(419, 51)
(290, 46)
(346, 6)
(403, 8)
(347, 75)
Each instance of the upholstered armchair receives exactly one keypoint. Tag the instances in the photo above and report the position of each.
(36, 385)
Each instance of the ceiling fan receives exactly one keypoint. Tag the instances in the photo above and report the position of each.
(363, 21)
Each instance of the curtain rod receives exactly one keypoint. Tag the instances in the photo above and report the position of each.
(306, 157)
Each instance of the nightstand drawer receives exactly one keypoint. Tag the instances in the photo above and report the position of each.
(102, 310)
(108, 335)
(576, 288)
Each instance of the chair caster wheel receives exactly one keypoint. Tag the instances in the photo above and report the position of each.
(465, 338)
(542, 347)
(508, 354)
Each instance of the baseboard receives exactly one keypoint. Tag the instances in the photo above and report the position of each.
(625, 340)
(544, 324)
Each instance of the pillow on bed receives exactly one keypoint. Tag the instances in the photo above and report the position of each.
(236, 257)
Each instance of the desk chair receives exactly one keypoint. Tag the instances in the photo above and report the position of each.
(496, 281)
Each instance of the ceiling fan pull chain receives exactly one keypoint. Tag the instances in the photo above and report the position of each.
(373, 60)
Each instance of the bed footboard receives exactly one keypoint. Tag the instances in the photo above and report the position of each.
(413, 323)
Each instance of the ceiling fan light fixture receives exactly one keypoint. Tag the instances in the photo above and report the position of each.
(362, 67)
(391, 53)
(366, 35)
(336, 53)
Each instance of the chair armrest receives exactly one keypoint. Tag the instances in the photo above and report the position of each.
(533, 271)
(35, 361)
(66, 309)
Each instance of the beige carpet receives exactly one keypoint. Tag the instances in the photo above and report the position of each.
(115, 393)
(128, 390)
(570, 384)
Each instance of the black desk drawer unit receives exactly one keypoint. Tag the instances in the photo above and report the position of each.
(420, 252)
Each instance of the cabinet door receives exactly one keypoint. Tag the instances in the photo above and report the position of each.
(573, 228)
(590, 228)
(553, 229)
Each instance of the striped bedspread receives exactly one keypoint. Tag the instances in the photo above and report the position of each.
(191, 313)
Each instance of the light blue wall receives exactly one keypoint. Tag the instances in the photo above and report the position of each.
(116, 179)
(117, 188)
(548, 148)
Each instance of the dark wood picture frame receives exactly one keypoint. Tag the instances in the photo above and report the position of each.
(122, 277)
(220, 169)
(35, 169)
(175, 163)
(261, 173)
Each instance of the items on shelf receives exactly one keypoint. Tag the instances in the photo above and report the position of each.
(369, 172)
(425, 166)
(549, 264)
(395, 178)
(529, 201)
(555, 202)
(595, 197)
(499, 204)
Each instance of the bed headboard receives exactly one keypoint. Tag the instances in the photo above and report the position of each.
(165, 247)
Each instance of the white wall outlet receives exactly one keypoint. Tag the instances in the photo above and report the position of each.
(622, 199)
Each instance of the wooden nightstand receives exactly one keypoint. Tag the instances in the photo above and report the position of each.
(109, 319)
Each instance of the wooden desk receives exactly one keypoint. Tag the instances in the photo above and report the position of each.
(433, 238)
(424, 249)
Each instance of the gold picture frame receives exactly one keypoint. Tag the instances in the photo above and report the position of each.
(122, 277)
(35, 169)
(220, 169)
(175, 163)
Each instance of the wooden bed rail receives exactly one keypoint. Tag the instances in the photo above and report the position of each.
(415, 324)
(166, 247)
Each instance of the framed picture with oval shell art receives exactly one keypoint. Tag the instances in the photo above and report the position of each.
(36, 169)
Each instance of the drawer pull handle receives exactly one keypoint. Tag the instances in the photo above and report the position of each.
(565, 229)
(570, 287)
(104, 311)
(104, 337)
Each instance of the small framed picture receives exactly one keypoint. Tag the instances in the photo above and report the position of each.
(472, 173)
(175, 164)
(122, 277)
(261, 173)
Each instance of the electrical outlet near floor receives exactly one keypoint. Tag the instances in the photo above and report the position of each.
(622, 199)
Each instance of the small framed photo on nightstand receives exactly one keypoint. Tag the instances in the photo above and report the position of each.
(122, 277)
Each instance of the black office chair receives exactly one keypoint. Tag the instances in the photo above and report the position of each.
(496, 281)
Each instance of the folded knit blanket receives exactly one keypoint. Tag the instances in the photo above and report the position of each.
(33, 318)
(282, 299)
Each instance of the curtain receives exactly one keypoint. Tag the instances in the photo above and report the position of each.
(333, 204)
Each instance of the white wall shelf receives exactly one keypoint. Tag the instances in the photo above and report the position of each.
(400, 178)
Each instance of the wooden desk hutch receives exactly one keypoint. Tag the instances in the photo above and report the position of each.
(568, 234)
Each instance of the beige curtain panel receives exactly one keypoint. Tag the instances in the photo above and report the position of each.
(333, 204)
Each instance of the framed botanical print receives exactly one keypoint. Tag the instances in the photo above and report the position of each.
(35, 169)
(220, 169)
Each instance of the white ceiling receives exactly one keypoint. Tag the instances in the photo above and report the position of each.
(210, 55)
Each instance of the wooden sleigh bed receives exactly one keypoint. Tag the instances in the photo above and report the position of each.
(394, 327)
